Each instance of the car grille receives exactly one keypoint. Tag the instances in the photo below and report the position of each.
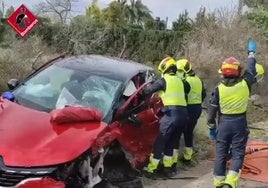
(9, 179)
(10, 176)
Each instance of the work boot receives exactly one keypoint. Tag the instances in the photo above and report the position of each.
(168, 162)
(226, 186)
(175, 155)
(151, 175)
(174, 168)
(218, 181)
(175, 158)
(188, 153)
(168, 172)
(187, 157)
(232, 179)
(151, 171)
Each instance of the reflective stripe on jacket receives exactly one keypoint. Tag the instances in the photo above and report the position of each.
(174, 94)
(195, 95)
(234, 99)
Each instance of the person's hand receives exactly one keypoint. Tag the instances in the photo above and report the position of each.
(8, 95)
(252, 46)
(211, 125)
(212, 134)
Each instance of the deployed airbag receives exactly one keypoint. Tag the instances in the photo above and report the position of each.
(75, 114)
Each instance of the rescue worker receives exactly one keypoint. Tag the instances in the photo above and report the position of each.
(172, 92)
(229, 101)
(194, 100)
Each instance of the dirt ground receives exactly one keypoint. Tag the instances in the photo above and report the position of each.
(203, 171)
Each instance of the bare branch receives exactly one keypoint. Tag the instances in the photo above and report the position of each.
(35, 60)
(124, 47)
(60, 8)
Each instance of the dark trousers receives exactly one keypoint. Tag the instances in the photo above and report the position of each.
(232, 134)
(194, 112)
(171, 127)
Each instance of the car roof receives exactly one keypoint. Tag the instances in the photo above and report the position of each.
(120, 69)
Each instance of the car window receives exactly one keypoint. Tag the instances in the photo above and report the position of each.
(56, 87)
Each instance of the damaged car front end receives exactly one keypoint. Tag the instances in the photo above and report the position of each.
(78, 123)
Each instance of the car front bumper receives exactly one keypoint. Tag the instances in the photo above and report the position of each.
(38, 183)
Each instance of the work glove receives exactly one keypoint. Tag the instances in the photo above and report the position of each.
(212, 131)
(252, 46)
(8, 95)
(211, 125)
(212, 134)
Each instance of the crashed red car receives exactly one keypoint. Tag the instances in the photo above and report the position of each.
(77, 122)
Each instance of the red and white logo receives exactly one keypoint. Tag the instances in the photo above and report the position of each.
(22, 21)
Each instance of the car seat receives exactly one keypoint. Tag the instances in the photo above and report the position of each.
(74, 85)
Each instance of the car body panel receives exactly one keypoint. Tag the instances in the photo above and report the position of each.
(111, 67)
(138, 139)
(29, 139)
(41, 183)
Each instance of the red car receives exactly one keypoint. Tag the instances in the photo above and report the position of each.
(78, 122)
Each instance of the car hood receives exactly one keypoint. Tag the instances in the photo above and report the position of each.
(29, 139)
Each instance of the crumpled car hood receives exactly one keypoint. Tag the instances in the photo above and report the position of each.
(29, 139)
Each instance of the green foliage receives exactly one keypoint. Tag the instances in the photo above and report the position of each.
(9, 11)
(7, 34)
(150, 24)
(94, 12)
(137, 12)
(259, 18)
(183, 24)
(46, 30)
(114, 14)
(257, 3)
(2, 32)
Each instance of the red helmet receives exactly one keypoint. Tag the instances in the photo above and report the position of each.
(230, 67)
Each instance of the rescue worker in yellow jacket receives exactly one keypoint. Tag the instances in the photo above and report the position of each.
(230, 100)
(194, 105)
(172, 91)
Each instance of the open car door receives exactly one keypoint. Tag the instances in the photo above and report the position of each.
(139, 124)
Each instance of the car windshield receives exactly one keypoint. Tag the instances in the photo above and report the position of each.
(56, 87)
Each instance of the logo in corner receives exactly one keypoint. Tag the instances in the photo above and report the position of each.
(22, 21)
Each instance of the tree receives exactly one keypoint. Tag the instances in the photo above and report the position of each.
(137, 12)
(9, 11)
(59, 8)
(94, 12)
(184, 23)
(257, 3)
(114, 14)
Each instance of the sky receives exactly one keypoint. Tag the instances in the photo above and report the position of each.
(160, 8)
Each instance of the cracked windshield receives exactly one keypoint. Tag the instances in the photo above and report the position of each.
(57, 87)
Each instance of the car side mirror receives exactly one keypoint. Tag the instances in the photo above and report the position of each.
(12, 83)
